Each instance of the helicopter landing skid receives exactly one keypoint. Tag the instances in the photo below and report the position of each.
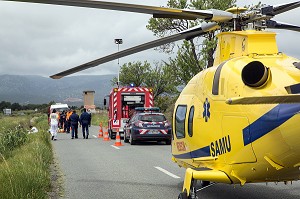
(191, 176)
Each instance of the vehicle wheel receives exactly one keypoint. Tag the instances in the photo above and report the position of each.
(112, 135)
(132, 142)
(204, 183)
(168, 142)
(126, 140)
(183, 196)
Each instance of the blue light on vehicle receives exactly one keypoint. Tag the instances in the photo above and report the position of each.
(131, 85)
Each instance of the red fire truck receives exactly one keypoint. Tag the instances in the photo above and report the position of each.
(122, 102)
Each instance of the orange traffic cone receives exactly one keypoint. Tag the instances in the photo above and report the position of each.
(105, 137)
(100, 135)
(118, 139)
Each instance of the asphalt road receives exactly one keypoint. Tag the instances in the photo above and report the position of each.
(93, 168)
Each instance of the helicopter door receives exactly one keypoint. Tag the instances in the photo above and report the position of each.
(234, 130)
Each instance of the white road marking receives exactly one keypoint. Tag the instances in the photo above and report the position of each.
(94, 136)
(115, 146)
(167, 172)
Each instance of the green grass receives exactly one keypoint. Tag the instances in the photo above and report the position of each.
(13, 133)
(24, 173)
(100, 117)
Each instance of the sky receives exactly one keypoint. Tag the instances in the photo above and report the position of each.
(38, 39)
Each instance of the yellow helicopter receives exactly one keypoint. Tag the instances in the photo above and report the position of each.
(235, 122)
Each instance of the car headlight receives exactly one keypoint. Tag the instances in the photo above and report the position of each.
(167, 124)
(138, 124)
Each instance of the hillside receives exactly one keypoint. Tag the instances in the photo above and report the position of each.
(39, 90)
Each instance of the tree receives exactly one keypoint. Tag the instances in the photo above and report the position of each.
(133, 72)
(164, 101)
(16, 107)
(160, 79)
(184, 65)
(4, 105)
(197, 53)
(140, 74)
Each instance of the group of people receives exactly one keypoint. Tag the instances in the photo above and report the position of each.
(70, 120)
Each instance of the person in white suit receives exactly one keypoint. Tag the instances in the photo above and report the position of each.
(54, 118)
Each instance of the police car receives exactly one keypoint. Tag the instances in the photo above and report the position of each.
(147, 124)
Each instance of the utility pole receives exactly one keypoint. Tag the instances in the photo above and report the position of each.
(118, 42)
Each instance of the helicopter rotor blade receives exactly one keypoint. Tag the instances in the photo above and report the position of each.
(187, 34)
(280, 25)
(278, 9)
(157, 12)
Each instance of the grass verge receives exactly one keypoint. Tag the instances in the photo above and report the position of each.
(100, 117)
(25, 172)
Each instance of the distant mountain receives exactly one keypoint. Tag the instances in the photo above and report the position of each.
(38, 90)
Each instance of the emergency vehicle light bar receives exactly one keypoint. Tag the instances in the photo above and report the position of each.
(144, 109)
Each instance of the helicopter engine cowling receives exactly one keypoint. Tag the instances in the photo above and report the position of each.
(255, 74)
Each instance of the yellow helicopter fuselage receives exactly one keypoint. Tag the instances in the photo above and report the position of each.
(240, 117)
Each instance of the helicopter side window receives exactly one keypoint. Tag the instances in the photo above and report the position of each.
(180, 121)
(190, 121)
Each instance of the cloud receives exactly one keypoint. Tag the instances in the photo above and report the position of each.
(47, 39)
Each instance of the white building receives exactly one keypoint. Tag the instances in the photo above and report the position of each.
(7, 111)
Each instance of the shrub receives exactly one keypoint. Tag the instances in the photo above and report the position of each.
(24, 173)
(11, 137)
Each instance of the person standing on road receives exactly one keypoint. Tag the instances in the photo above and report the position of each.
(85, 122)
(54, 124)
(68, 122)
(74, 119)
(63, 120)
